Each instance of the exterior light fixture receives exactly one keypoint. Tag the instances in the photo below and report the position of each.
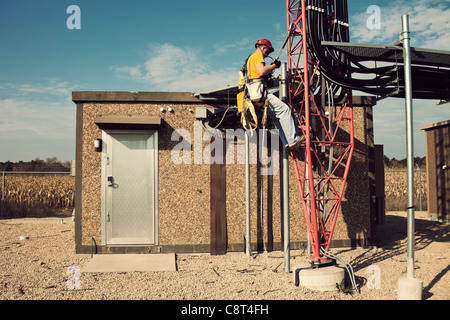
(98, 145)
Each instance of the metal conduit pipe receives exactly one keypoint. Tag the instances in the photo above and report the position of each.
(409, 143)
(286, 232)
(248, 248)
(409, 288)
(429, 82)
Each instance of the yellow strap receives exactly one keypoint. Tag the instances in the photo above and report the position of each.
(249, 120)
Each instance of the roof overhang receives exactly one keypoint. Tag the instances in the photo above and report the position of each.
(393, 53)
(133, 96)
(228, 95)
(435, 125)
(114, 121)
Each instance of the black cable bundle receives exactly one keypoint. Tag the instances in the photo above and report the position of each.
(327, 20)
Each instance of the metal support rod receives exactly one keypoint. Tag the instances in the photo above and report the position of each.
(3, 189)
(284, 95)
(248, 248)
(409, 143)
(308, 208)
(420, 187)
(3, 194)
(286, 225)
(286, 232)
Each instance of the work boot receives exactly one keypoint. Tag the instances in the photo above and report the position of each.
(296, 144)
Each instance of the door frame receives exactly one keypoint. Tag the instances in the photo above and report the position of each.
(106, 137)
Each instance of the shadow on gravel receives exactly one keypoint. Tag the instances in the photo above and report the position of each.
(391, 242)
(37, 213)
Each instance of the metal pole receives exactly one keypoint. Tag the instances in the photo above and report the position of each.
(286, 234)
(3, 189)
(286, 225)
(283, 83)
(308, 208)
(3, 194)
(248, 248)
(420, 187)
(409, 143)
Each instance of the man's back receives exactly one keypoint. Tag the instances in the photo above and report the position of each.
(255, 58)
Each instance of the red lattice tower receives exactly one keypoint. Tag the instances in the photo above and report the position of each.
(327, 127)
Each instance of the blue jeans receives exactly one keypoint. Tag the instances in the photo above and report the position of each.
(281, 116)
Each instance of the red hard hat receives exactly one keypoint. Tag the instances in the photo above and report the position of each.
(264, 42)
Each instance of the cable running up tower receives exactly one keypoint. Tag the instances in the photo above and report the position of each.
(325, 114)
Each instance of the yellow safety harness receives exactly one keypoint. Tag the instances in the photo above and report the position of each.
(246, 107)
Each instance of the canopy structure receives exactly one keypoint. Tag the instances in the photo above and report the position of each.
(430, 69)
(376, 52)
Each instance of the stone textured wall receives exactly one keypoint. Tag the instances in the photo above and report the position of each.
(184, 189)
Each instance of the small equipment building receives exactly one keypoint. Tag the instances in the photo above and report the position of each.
(151, 178)
(437, 141)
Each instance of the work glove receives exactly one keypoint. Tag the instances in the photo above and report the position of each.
(277, 63)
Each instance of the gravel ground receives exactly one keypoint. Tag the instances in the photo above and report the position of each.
(37, 268)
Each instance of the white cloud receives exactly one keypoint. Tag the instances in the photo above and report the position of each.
(37, 120)
(430, 27)
(42, 110)
(243, 45)
(390, 124)
(50, 89)
(23, 119)
(429, 24)
(172, 68)
(31, 128)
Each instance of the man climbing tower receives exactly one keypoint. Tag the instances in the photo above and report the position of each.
(257, 75)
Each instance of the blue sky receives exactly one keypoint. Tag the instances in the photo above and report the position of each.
(178, 45)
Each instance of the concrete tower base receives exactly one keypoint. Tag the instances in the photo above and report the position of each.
(323, 278)
(409, 289)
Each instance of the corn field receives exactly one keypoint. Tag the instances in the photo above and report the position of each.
(41, 195)
(396, 189)
(37, 195)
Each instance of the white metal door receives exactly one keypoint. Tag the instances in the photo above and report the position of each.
(129, 180)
